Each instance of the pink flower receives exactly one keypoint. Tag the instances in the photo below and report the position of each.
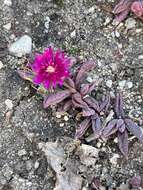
(137, 8)
(50, 68)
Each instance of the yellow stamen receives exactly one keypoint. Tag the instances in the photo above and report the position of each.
(50, 69)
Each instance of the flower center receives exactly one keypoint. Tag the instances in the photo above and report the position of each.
(50, 69)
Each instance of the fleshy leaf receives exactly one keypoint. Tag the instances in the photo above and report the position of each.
(134, 129)
(87, 112)
(119, 106)
(96, 127)
(92, 86)
(121, 125)
(84, 69)
(105, 104)
(84, 125)
(70, 82)
(78, 102)
(55, 98)
(26, 74)
(123, 5)
(84, 89)
(110, 129)
(92, 103)
(67, 105)
(123, 142)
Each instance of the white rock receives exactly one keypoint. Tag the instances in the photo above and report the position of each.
(47, 22)
(91, 10)
(140, 57)
(114, 159)
(130, 23)
(122, 83)
(89, 79)
(8, 2)
(36, 165)
(7, 26)
(22, 46)
(117, 34)
(88, 154)
(1, 65)
(129, 84)
(9, 103)
(22, 152)
(73, 34)
(66, 118)
(109, 83)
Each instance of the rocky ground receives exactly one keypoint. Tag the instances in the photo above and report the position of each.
(36, 144)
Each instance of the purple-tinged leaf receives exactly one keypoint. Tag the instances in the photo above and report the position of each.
(87, 112)
(26, 74)
(110, 129)
(92, 103)
(84, 89)
(73, 61)
(123, 142)
(70, 82)
(134, 129)
(84, 125)
(105, 104)
(122, 128)
(135, 182)
(55, 98)
(120, 17)
(77, 101)
(96, 127)
(119, 106)
(84, 69)
(123, 5)
(92, 86)
(95, 184)
(121, 125)
(67, 105)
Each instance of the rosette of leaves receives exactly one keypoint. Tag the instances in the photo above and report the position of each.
(94, 120)
(121, 125)
(74, 92)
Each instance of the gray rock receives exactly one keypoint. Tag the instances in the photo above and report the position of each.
(22, 46)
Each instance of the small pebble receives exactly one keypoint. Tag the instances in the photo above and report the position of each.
(22, 152)
(61, 124)
(122, 84)
(1, 65)
(109, 83)
(8, 2)
(89, 79)
(114, 159)
(58, 116)
(36, 165)
(73, 34)
(140, 57)
(129, 84)
(9, 103)
(130, 23)
(7, 26)
(47, 22)
(66, 118)
(98, 145)
(91, 10)
(138, 30)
